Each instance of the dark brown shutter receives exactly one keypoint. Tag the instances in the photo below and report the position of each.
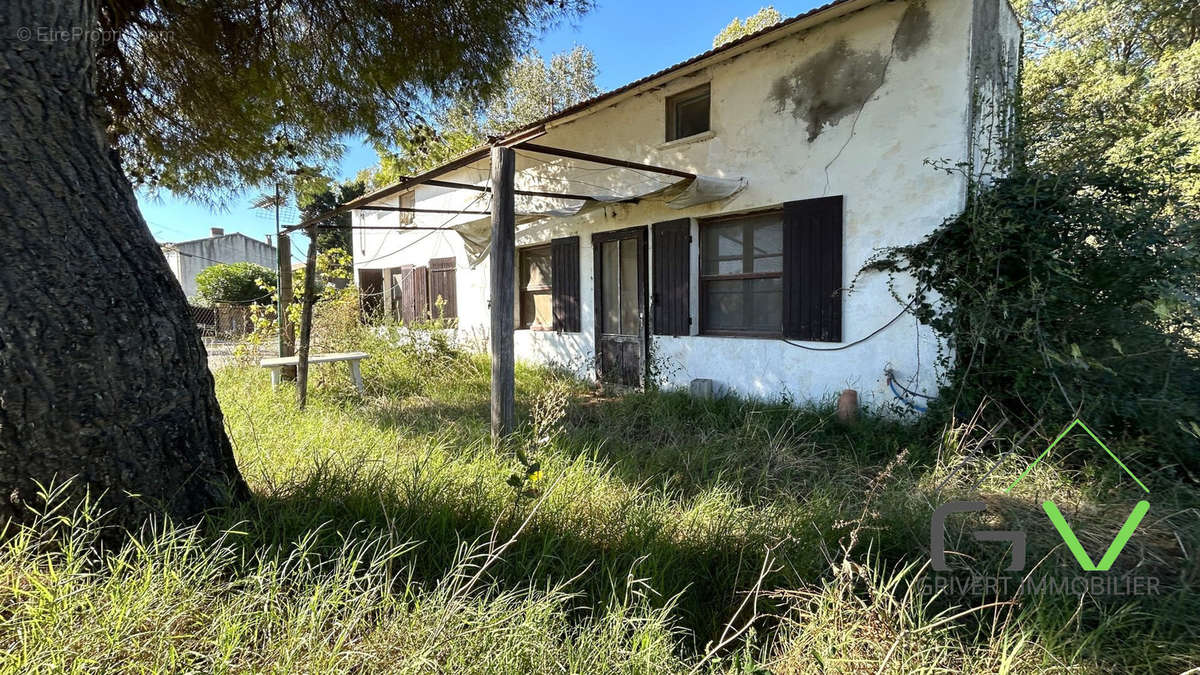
(443, 283)
(408, 309)
(420, 294)
(672, 277)
(564, 283)
(812, 269)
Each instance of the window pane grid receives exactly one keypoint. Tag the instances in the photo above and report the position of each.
(535, 303)
(620, 310)
(741, 275)
(688, 113)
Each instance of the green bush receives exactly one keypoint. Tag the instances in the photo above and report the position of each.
(1068, 295)
(241, 282)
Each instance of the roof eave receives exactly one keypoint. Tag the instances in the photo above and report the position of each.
(788, 27)
(801, 22)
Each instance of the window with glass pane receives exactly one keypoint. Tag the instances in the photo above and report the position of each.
(535, 301)
(620, 314)
(687, 113)
(741, 275)
(408, 200)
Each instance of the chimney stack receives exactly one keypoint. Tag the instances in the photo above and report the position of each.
(218, 231)
(268, 240)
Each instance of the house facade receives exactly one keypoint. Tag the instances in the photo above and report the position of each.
(187, 259)
(810, 146)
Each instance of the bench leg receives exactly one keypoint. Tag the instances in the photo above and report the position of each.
(276, 377)
(356, 377)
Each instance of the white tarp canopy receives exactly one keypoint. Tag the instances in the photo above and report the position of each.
(680, 194)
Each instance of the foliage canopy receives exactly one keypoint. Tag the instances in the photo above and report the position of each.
(215, 95)
(321, 194)
(531, 89)
(767, 16)
(1115, 84)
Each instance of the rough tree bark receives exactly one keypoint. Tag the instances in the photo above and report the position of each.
(103, 376)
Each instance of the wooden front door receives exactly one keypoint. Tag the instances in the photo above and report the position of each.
(620, 280)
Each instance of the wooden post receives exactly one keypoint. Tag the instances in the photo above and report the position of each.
(287, 332)
(306, 308)
(503, 267)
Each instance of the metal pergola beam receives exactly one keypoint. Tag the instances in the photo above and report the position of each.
(524, 193)
(392, 228)
(401, 186)
(430, 178)
(410, 209)
(601, 159)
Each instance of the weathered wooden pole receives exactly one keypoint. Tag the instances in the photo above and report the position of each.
(287, 333)
(503, 267)
(306, 309)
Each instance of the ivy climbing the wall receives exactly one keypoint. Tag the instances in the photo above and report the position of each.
(1066, 295)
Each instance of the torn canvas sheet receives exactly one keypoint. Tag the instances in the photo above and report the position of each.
(681, 194)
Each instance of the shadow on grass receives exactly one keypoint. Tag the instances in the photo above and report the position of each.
(705, 576)
(671, 439)
(794, 475)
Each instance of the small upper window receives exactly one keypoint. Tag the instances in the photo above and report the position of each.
(687, 113)
(408, 200)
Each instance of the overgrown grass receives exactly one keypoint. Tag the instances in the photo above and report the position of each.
(662, 534)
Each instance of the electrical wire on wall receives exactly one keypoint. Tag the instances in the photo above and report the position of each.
(897, 388)
(890, 375)
(861, 340)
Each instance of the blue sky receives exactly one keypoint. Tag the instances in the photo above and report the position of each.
(630, 39)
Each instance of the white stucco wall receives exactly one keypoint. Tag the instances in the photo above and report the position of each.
(874, 155)
(187, 259)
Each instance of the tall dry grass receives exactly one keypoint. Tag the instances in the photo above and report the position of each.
(660, 534)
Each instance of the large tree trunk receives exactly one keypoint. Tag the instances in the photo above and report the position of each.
(103, 377)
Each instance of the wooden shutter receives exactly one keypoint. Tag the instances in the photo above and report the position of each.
(812, 269)
(564, 283)
(408, 309)
(443, 283)
(420, 296)
(672, 277)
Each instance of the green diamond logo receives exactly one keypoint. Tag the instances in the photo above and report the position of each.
(1060, 523)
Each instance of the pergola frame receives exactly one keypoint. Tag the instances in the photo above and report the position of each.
(503, 251)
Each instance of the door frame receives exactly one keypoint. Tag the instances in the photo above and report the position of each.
(598, 238)
(371, 295)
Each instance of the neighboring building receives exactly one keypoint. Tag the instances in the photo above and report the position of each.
(189, 258)
(812, 140)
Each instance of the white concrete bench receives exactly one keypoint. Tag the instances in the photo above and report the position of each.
(353, 358)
